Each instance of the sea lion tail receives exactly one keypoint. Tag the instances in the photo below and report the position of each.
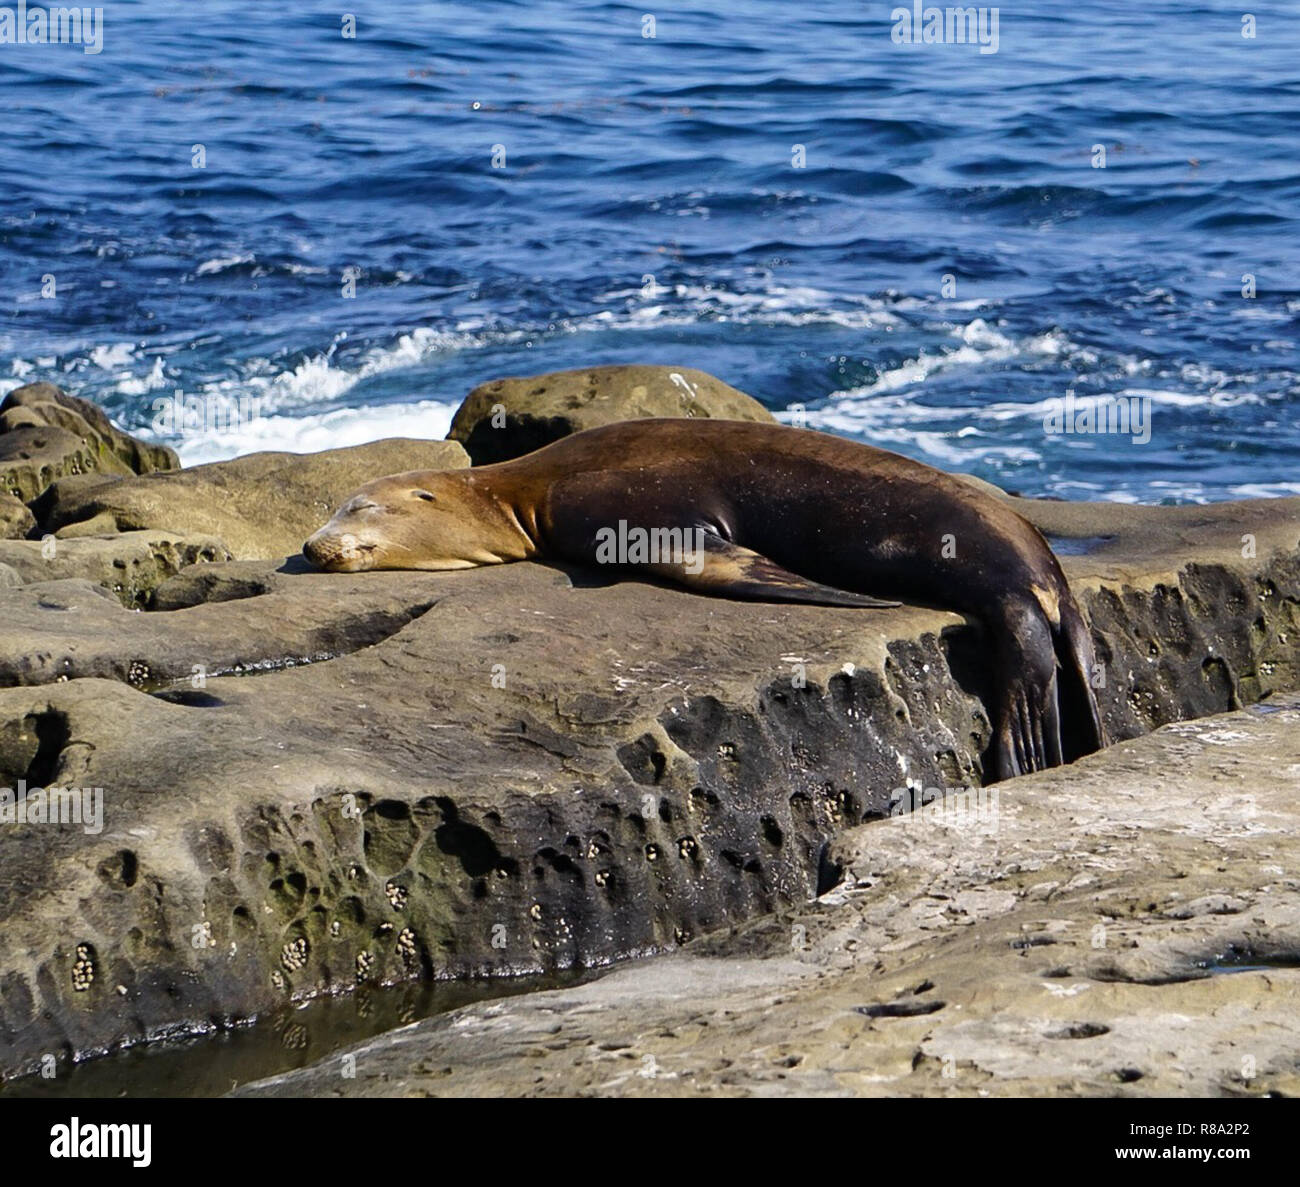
(1082, 727)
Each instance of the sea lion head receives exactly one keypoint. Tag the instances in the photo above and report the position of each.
(424, 519)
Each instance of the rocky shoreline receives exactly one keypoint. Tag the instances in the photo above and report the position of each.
(315, 781)
(1129, 926)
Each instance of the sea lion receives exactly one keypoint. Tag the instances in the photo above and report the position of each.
(765, 512)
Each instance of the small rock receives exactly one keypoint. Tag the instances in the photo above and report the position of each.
(537, 410)
(15, 518)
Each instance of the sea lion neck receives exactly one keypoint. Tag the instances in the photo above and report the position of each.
(516, 499)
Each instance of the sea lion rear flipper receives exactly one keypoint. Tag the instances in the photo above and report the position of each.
(1046, 711)
(730, 571)
(1027, 727)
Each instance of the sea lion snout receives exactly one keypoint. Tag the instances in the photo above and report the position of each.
(338, 552)
(348, 542)
(313, 551)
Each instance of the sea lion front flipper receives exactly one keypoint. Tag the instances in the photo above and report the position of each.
(730, 571)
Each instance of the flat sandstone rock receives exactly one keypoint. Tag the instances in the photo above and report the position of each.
(401, 764)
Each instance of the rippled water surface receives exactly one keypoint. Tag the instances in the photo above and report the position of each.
(650, 209)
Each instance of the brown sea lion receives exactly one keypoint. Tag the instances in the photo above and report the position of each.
(763, 512)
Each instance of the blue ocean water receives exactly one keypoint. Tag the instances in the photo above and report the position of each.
(651, 209)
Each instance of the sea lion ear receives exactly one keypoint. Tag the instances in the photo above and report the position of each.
(424, 494)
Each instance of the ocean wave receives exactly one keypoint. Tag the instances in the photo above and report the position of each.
(324, 377)
(222, 264)
(774, 305)
(960, 391)
(982, 344)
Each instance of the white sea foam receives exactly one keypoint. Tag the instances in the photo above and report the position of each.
(1249, 311)
(139, 385)
(425, 420)
(223, 263)
(114, 356)
(319, 379)
(1265, 490)
(324, 378)
(777, 305)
